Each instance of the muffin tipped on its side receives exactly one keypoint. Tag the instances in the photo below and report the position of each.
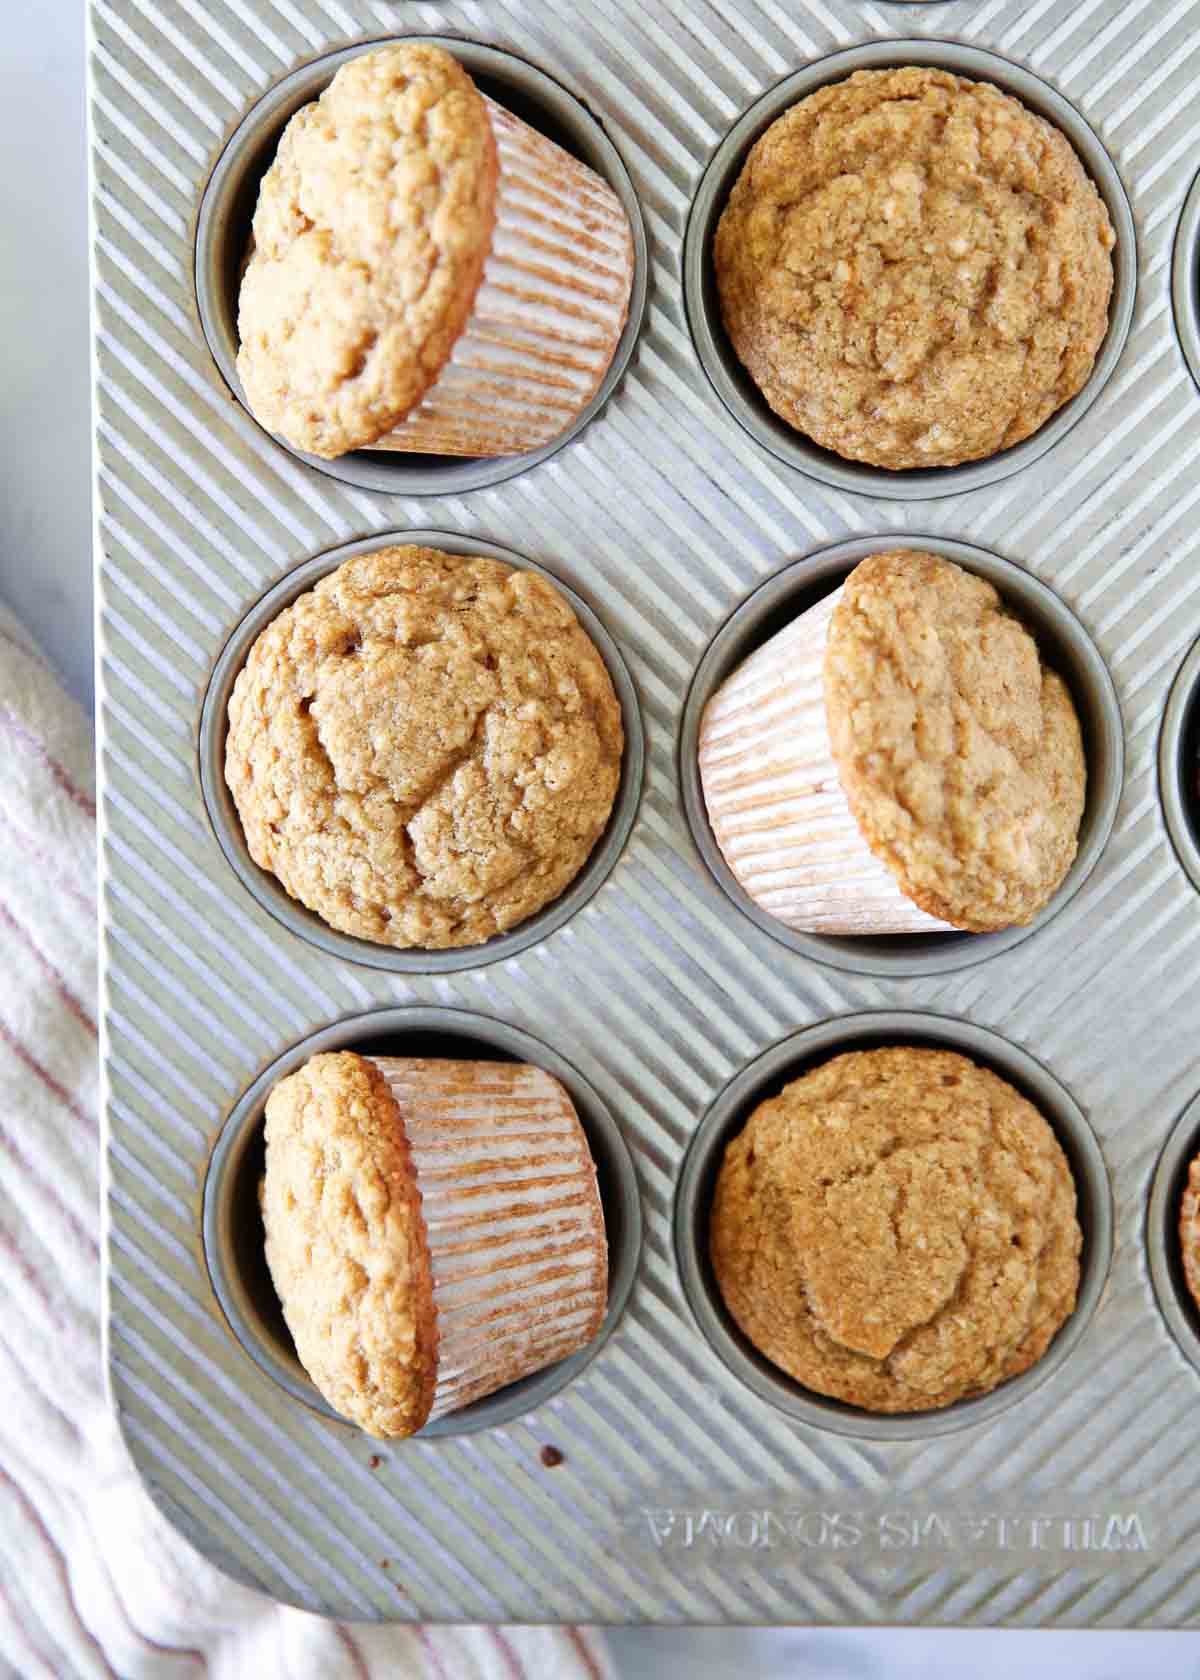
(427, 273)
(897, 1230)
(433, 1229)
(898, 759)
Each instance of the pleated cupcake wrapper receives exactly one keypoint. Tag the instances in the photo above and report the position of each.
(548, 314)
(513, 1220)
(775, 800)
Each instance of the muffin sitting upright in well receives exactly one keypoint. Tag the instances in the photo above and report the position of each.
(896, 760)
(433, 1229)
(425, 748)
(426, 272)
(897, 1230)
(914, 268)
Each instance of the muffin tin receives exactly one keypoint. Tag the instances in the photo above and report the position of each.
(689, 1483)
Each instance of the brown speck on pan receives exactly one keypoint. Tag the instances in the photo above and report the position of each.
(551, 1457)
(375, 1461)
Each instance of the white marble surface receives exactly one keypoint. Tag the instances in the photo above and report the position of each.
(45, 573)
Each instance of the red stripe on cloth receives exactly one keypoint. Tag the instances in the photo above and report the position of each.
(60, 1565)
(431, 1651)
(53, 1085)
(594, 1671)
(66, 995)
(188, 1652)
(512, 1661)
(37, 748)
(16, 1154)
(11, 1252)
(37, 1375)
(356, 1656)
(21, 1623)
(33, 853)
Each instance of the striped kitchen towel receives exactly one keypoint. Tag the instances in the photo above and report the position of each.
(93, 1582)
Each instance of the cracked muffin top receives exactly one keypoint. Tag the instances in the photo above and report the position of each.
(425, 748)
(914, 268)
(958, 751)
(897, 1229)
(370, 235)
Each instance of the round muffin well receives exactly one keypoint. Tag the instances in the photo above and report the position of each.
(232, 1224)
(850, 1264)
(1173, 1232)
(896, 1229)
(267, 888)
(433, 1228)
(778, 347)
(228, 205)
(914, 268)
(425, 748)
(1063, 644)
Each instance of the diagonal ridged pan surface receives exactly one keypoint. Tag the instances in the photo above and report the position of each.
(682, 1495)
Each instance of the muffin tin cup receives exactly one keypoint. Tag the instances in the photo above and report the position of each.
(227, 208)
(763, 1078)
(1185, 280)
(1066, 647)
(232, 1224)
(1179, 765)
(269, 892)
(733, 383)
(1162, 1233)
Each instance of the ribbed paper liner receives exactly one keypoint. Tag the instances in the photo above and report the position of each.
(775, 800)
(548, 314)
(513, 1218)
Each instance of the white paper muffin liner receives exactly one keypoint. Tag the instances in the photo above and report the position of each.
(512, 1216)
(775, 800)
(548, 314)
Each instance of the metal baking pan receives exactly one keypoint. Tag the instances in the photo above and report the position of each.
(690, 1483)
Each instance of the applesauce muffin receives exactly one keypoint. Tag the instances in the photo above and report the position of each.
(427, 272)
(897, 1230)
(914, 268)
(425, 748)
(898, 759)
(396, 1209)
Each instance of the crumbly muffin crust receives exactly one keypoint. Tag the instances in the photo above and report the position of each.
(345, 1243)
(897, 1229)
(959, 754)
(914, 268)
(425, 748)
(372, 228)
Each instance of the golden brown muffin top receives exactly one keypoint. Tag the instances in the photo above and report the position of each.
(959, 754)
(346, 1245)
(914, 268)
(425, 748)
(896, 1229)
(372, 228)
